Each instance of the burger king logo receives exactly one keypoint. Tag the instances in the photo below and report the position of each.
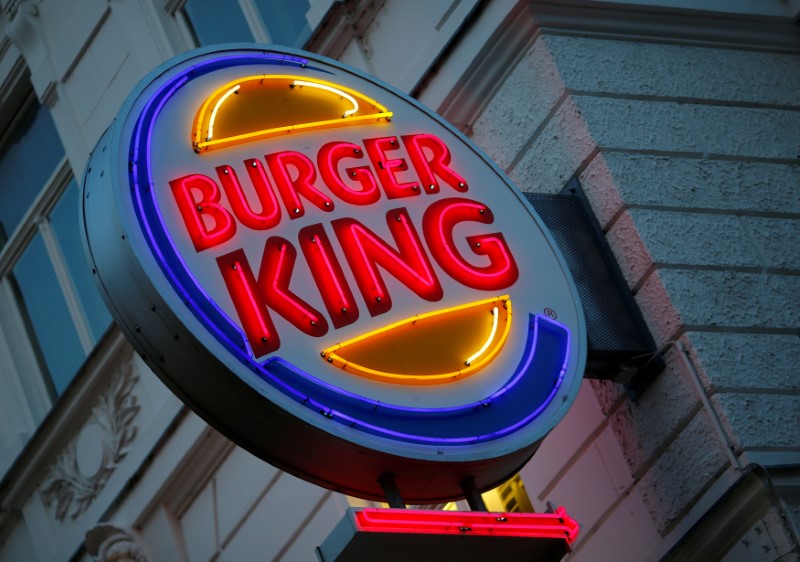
(330, 274)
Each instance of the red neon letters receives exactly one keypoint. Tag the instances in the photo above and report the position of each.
(204, 234)
(270, 214)
(364, 251)
(253, 296)
(437, 165)
(328, 160)
(388, 168)
(302, 184)
(359, 178)
(438, 223)
(328, 275)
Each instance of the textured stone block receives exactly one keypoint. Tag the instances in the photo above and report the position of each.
(629, 249)
(694, 238)
(614, 179)
(777, 241)
(641, 237)
(659, 313)
(746, 361)
(761, 420)
(672, 298)
(645, 427)
(601, 189)
(769, 539)
(781, 535)
(556, 152)
(637, 124)
(680, 71)
(752, 186)
(732, 299)
(519, 107)
(683, 472)
(608, 393)
(746, 131)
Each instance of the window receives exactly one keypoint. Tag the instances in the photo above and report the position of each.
(281, 22)
(779, 8)
(51, 315)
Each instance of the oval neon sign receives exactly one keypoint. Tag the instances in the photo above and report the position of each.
(331, 275)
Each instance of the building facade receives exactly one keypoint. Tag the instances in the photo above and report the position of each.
(680, 120)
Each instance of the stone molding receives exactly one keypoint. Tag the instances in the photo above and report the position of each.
(668, 24)
(78, 476)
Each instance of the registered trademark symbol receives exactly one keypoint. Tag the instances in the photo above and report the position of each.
(550, 313)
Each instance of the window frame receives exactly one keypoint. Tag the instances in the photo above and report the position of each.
(22, 365)
(252, 16)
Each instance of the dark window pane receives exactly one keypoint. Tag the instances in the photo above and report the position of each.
(285, 21)
(64, 220)
(27, 160)
(217, 22)
(49, 314)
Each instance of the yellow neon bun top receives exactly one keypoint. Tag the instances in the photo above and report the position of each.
(261, 106)
(433, 348)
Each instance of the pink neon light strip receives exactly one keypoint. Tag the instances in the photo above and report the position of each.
(429, 282)
(278, 290)
(556, 525)
(253, 303)
(333, 278)
(426, 282)
(457, 258)
(365, 261)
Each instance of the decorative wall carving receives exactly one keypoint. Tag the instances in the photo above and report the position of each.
(82, 469)
(109, 543)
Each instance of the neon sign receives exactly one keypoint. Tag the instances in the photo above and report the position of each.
(304, 105)
(295, 257)
(557, 525)
(415, 339)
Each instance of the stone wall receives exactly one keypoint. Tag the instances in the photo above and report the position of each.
(689, 156)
